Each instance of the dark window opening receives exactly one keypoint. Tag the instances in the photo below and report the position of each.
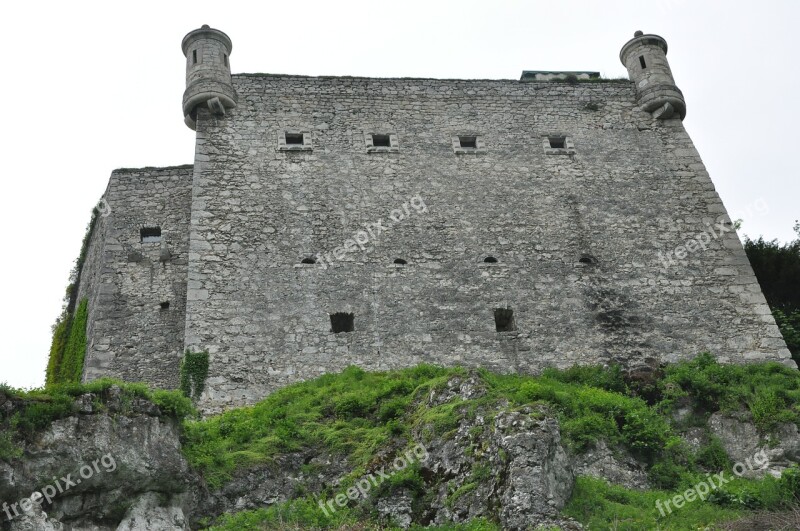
(587, 259)
(194, 56)
(400, 261)
(225, 59)
(308, 261)
(295, 139)
(468, 141)
(381, 141)
(504, 320)
(164, 305)
(150, 234)
(490, 260)
(641, 61)
(557, 142)
(341, 322)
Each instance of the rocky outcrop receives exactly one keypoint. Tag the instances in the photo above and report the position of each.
(615, 466)
(508, 466)
(744, 443)
(114, 465)
(511, 468)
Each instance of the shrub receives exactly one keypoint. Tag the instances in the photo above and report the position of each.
(713, 457)
(645, 431)
(173, 403)
(610, 378)
(789, 324)
(771, 391)
(777, 268)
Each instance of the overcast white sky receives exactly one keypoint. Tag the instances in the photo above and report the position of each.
(87, 88)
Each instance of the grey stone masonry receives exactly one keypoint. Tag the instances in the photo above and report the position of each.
(129, 335)
(331, 221)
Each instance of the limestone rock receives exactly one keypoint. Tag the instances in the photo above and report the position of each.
(614, 466)
(103, 468)
(741, 440)
(147, 514)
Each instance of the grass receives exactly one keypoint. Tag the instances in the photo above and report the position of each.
(354, 413)
(305, 514)
(770, 391)
(596, 503)
(357, 416)
(599, 505)
(364, 418)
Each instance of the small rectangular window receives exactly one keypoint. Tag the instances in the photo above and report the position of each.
(225, 59)
(164, 305)
(504, 320)
(641, 62)
(294, 139)
(150, 234)
(341, 322)
(557, 142)
(194, 56)
(468, 142)
(381, 141)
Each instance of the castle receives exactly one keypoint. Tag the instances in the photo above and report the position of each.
(329, 221)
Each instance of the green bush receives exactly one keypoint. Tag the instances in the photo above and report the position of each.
(713, 457)
(769, 493)
(789, 324)
(173, 403)
(770, 391)
(777, 268)
(8, 450)
(645, 431)
(607, 378)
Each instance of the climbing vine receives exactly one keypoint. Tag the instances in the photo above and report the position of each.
(61, 365)
(194, 371)
(71, 368)
(69, 347)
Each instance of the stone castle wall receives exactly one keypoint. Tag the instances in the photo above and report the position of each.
(633, 188)
(129, 335)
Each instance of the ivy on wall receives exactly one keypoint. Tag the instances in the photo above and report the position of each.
(59, 343)
(71, 368)
(194, 371)
(68, 346)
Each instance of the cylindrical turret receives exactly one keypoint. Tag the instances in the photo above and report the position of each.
(208, 73)
(645, 57)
